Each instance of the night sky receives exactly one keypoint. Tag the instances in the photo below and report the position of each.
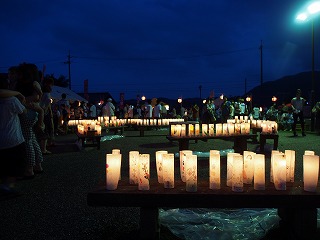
(159, 48)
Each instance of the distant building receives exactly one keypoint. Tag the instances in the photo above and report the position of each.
(97, 97)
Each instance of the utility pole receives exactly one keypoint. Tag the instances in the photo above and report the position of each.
(313, 89)
(69, 68)
(261, 72)
(261, 65)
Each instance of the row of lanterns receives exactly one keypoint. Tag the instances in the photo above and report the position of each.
(115, 122)
(219, 129)
(246, 168)
(92, 127)
(153, 122)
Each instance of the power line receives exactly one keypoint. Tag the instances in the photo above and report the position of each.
(164, 58)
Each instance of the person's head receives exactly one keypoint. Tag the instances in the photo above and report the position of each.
(30, 72)
(76, 103)
(47, 84)
(63, 96)
(298, 93)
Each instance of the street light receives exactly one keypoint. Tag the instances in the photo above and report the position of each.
(249, 100)
(180, 100)
(143, 98)
(309, 13)
(274, 99)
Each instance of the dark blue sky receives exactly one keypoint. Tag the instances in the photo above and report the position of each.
(159, 48)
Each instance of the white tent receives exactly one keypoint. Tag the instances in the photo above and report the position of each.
(71, 96)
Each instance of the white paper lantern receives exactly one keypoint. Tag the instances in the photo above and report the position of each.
(197, 129)
(112, 171)
(237, 173)
(211, 129)
(243, 128)
(259, 178)
(144, 172)
(225, 131)
(310, 172)
(309, 152)
(248, 166)
(168, 170)
(219, 130)
(291, 161)
(231, 128)
(115, 151)
(183, 130)
(273, 152)
(205, 131)
(133, 167)
(190, 129)
(279, 171)
(237, 128)
(183, 158)
(172, 130)
(230, 167)
(80, 129)
(98, 129)
(214, 170)
(159, 164)
(191, 173)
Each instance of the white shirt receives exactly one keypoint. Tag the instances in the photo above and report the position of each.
(256, 113)
(93, 111)
(108, 110)
(242, 107)
(130, 112)
(148, 111)
(139, 112)
(10, 128)
(157, 111)
(298, 103)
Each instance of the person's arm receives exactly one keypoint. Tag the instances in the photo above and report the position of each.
(5, 93)
(292, 105)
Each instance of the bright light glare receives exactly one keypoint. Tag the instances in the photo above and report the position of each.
(309, 11)
(314, 7)
(302, 17)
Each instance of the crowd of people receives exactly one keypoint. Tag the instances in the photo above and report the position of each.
(30, 120)
(24, 113)
(285, 115)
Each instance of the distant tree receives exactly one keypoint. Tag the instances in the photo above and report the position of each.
(61, 81)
